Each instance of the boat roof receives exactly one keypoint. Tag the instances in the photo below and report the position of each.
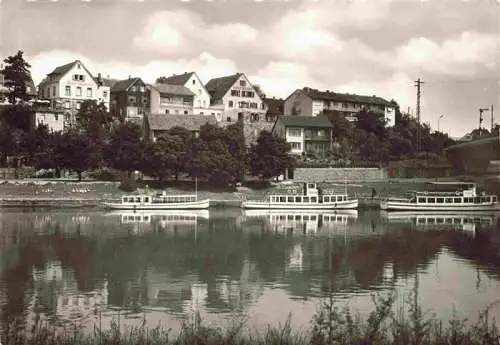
(447, 183)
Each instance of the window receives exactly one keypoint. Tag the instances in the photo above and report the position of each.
(326, 199)
(67, 105)
(201, 113)
(298, 199)
(105, 94)
(230, 104)
(235, 93)
(89, 92)
(194, 81)
(228, 119)
(294, 132)
(431, 200)
(440, 200)
(133, 88)
(296, 146)
(185, 112)
(78, 105)
(53, 91)
(131, 99)
(142, 89)
(243, 83)
(321, 132)
(166, 111)
(78, 91)
(422, 200)
(67, 90)
(457, 200)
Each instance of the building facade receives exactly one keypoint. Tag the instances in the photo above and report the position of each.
(311, 102)
(67, 86)
(237, 97)
(158, 124)
(275, 108)
(305, 134)
(171, 99)
(201, 99)
(130, 99)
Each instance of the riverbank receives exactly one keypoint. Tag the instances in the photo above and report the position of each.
(330, 325)
(69, 193)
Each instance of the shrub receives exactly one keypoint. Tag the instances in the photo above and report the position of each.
(105, 174)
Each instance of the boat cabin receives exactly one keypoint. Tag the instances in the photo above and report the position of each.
(137, 199)
(447, 193)
(310, 194)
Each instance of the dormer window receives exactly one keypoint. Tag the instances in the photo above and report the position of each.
(243, 83)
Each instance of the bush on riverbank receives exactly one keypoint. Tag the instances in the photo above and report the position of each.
(331, 325)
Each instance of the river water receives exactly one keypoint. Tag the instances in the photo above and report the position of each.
(87, 268)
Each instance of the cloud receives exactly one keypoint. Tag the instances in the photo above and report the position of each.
(206, 65)
(281, 78)
(463, 55)
(183, 31)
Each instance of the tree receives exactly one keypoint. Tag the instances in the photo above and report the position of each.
(125, 148)
(17, 75)
(76, 152)
(270, 157)
(235, 140)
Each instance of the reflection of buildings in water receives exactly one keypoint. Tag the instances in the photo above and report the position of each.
(468, 222)
(296, 257)
(188, 294)
(307, 222)
(55, 293)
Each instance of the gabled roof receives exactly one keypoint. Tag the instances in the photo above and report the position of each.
(124, 85)
(178, 79)
(343, 97)
(167, 89)
(305, 121)
(218, 87)
(274, 106)
(61, 71)
(109, 82)
(190, 122)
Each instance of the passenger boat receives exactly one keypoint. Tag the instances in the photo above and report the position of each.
(160, 201)
(452, 196)
(310, 197)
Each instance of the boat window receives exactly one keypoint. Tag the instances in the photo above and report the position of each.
(477, 200)
(297, 217)
(298, 199)
(439, 220)
(457, 200)
(431, 200)
(282, 199)
(449, 220)
(306, 217)
(313, 199)
(138, 199)
(421, 220)
(290, 199)
(326, 198)
(431, 220)
(305, 199)
(313, 217)
(449, 200)
(494, 199)
(457, 220)
(421, 200)
(146, 199)
(440, 200)
(290, 217)
(484, 199)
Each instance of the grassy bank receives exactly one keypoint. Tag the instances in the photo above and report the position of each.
(331, 325)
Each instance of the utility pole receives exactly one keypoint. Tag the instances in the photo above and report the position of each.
(418, 84)
(492, 119)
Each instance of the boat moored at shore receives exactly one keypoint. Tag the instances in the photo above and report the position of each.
(445, 196)
(159, 201)
(310, 198)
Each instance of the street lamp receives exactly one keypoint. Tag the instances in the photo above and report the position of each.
(439, 120)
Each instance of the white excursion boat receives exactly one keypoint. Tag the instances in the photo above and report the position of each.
(311, 198)
(160, 201)
(449, 196)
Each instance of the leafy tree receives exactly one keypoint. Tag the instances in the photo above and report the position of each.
(125, 148)
(8, 145)
(18, 117)
(235, 140)
(270, 157)
(17, 74)
(372, 122)
(94, 119)
(51, 156)
(76, 152)
(34, 142)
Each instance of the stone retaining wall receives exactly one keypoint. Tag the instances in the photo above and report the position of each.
(339, 174)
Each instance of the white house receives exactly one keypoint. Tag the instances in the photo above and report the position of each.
(311, 102)
(238, 98)
(67, 86)
(201, 100)
(170, 99)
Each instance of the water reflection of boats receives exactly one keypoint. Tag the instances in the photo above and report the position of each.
(164, 216)
(307, 221)
(440, 219)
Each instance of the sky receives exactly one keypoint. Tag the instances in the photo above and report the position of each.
(370, 47)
